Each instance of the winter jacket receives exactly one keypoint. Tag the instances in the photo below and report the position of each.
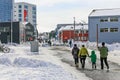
(103, 52)
(83, 52)
(75, 52)
(93, 56)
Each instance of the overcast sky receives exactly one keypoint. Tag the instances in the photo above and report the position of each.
(53, 12)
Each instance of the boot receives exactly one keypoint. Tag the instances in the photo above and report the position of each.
(77, 65)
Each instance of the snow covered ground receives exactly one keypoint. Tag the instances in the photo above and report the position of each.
(21, 64)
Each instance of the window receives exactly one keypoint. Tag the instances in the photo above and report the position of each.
(34, 20)
(103, 29)
(20, 11)
(20, 15)
(114, 19)
(104, 20)
(20, 6)
(25, 6)
(4, 29)
(34, 17)
(20, 19)
(76, 31)
(34, 12)
(33, 8)
(113, 29)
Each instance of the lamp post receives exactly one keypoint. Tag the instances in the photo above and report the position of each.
(82, 34)
(11, 30)
(74, 29)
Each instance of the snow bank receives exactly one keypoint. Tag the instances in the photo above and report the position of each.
(25, 62)
(31, 69)
(5, 61)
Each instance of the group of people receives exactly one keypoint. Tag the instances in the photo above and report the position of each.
(82, 53)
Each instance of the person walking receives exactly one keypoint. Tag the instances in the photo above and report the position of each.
(70, 43)
(103, 56)
(83, 53)
(75, 52)
(93, 59)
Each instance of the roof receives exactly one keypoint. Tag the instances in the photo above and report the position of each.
(105, 12)
(25, 3)
(71, 27)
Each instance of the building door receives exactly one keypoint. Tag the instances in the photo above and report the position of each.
(3, 37)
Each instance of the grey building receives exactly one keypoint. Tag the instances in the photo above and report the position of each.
(104, 25)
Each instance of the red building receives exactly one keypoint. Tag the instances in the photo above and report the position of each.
(80, 33)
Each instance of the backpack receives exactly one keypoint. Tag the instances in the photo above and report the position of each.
(75, 53)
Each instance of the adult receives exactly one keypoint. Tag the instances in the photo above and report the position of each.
(103, 56)
(49, 42)
(70, 43)
(83, 53)
(75, 51)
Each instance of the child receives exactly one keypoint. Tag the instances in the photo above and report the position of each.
(93, 59)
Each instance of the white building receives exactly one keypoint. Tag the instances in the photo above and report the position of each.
(25, 12)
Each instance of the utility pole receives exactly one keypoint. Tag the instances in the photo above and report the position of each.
(97, 34)
(74, 29)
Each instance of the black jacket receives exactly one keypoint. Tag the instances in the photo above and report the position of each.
(75, 52)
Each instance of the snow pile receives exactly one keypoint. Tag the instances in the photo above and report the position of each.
(25, 62)
(5, 61)
(31, 69)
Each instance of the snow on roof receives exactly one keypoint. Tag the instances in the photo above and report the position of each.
(105, 12)
(77, 27)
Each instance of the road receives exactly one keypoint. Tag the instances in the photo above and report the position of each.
(66, 57)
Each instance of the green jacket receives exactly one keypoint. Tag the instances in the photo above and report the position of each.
(103, 52)
(93, 56)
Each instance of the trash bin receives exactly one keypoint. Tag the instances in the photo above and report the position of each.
(34, 46)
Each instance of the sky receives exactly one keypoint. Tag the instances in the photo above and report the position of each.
(53, 12)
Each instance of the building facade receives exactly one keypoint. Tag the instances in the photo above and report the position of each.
(6, 10)
(19, 32)
(104, 25)
(25, 12)
(68, 33)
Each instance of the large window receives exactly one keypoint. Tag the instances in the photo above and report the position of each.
(4, 29)
(104, 20)
(109, 19)
(113, 19)
(113, 29)
(103, 29)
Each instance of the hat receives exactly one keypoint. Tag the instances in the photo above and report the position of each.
(103, 43)
(75, 44)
